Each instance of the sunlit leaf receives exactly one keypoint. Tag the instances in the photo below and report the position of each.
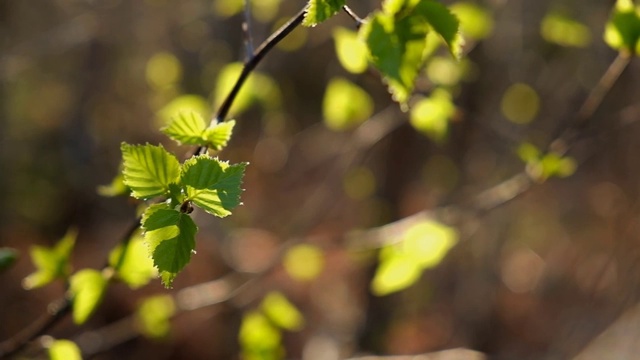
(396, 48)
(475, 22)
(259, 339)
(443, 22)
(622, 31)
(135, 266)
(282, 312)
(320, 10)
(564, 31)
(217, 136)
(431, 115)
(148, 170)
(64, 350)
(116, 188)
(154, 316)
(8, 257)
(345, 105)
(429, 242)
(186, 128)
(395, 273)
(528, 152)
(170, 236)
(351, 51)
(213, 185)
(304, 262)
(87, 288)
(51, 263)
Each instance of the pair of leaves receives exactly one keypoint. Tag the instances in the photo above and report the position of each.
(190, 129)
(541, 166)
(422, 246)
(151, 171)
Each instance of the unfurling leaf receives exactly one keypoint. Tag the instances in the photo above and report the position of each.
(282, 312)
(186, 128)
(148, 170)
(51, 263)
(170, 236)
(622, 31)
(320, 10)
(87, 289)
(213, 185)
(217, 136)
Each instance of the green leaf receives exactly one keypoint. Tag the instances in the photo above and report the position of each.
(116, 188)
(304, 262)
(475, 21)
(64, 350)
(213, 185)
(182, 104)
(345, 105)
(443, 22)
(134, 266)
(8, 257)
(431, 115)
(87, 289)
(561, 30)
(282, 312)
(148, 170)
(186, 128)
(217, 136)
(51, 263)
(170, 236)
(351, 51)
(622, 31)
(259, 339)
(396, 272)
(154, 315)
(320, 10)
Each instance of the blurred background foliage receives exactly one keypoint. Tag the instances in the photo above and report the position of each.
(331, 156)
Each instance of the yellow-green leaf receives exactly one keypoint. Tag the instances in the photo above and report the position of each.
(304, 262)
(259, 339)
(154, 316)
(87, 290)
(431, 115)
(564, 31)
(351, 51)
(149, 170)
(64, 350)
(51, 263)
(282, 312)
(345, 105)
(320, 10)
(134, 266)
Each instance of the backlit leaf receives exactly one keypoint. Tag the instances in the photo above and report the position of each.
(87, 288)
(475, 22)
(259, 339)
(431, 115)
(395, 273)
(345, 105)
(443, 22)
(320, 10)
(134, 266)
(51, 263)
(148, 170)
(564, 31)
(170, 237)
(64, 350)
(304, 262)
(622, 31)
(186, 128)
(217, 136)
(213, 185)
(154, 315)
(282, 312)
(351, 51)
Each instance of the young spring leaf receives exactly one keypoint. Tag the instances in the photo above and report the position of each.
(51, 263)
(133, 266)
(259, 338)
(622, 31)
(351, 51)
(148, 170)
(170, 236)
(397, 40)
(64, 350)
(213, 185)
(345, 105)
(281, 311)
(87, 289)
(320, 10)
(154, 315)
(186, 128)
(431, 115)
(217, 136)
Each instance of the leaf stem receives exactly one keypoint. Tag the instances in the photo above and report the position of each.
(359, 21)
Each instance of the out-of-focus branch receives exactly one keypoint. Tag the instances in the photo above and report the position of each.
(246, 29)
(359, 21)
(452, 354)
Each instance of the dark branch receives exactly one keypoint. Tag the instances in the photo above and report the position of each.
(359, 21)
